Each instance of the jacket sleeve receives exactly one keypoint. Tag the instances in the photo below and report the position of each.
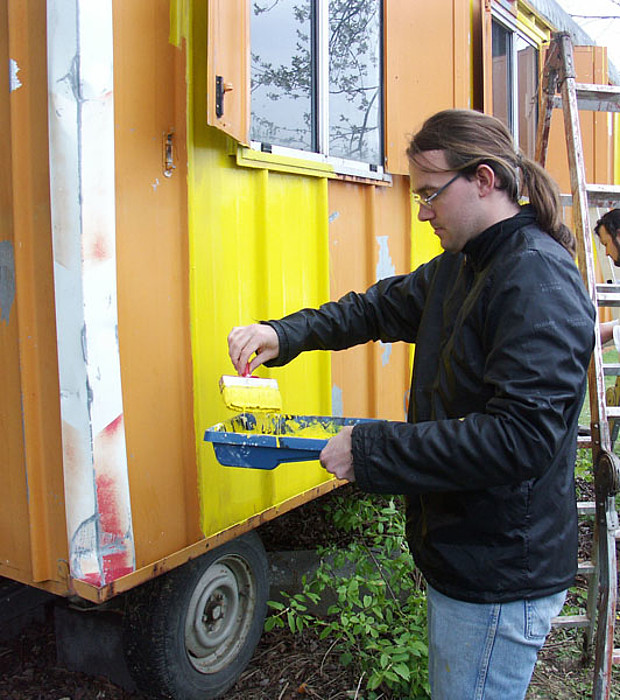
(538, 337)
(390, 311)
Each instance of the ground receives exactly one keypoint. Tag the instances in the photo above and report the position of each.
(284, 667)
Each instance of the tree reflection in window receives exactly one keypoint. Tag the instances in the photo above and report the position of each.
(289, 105)
(282, 77)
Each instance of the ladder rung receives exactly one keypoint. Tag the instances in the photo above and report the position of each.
(606, 196)
(570, 621)
(586, 508)
(613, 411)
(595, 98)
(612, 369)
(608, 300)
(608, 287)
(584, 442)
(615, 656)
(586, 568)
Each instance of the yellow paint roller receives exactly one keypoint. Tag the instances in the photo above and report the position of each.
(248, 393)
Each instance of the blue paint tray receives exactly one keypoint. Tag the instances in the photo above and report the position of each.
(264, 440)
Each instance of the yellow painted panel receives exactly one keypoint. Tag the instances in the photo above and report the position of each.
(425, 244)
(258, 250)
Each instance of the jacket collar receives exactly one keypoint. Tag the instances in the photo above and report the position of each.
(483, 247)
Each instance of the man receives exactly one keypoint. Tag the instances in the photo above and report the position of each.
(503, 330)
(607, 230)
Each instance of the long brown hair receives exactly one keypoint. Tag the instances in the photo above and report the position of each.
(470, 138)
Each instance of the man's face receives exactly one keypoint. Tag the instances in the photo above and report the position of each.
(454, 214)
(611, 245)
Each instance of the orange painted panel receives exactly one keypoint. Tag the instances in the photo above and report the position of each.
(32, 531)
(428, 67)
(369, 238)
(14, 541)
(153, 268)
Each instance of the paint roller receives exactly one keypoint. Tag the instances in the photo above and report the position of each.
(250, 393)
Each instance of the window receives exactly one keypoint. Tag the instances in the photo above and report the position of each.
(316, 80)
(515, 84)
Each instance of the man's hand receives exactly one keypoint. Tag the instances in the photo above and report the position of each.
(244, 341)
(337, 458)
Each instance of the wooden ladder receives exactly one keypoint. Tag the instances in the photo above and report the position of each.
(561, 90)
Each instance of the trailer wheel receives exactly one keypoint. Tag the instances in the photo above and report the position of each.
(190, 633)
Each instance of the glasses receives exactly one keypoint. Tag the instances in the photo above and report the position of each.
(428, 201)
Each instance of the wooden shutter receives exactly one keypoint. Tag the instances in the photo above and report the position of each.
(228, 67)
(428, 61)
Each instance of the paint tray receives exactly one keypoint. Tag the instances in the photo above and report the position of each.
(264, 440)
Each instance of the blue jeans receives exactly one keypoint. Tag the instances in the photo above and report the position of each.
(486, 651)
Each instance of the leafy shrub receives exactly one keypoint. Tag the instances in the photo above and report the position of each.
(378, 615)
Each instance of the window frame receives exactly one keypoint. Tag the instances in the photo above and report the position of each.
(339, 166)
(510, 23)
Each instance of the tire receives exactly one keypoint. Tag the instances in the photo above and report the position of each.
(190, 633)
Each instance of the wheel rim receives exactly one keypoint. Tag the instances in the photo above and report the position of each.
(220, 614)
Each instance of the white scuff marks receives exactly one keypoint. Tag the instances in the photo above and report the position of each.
(83, 210)
(337, 401)
(386, 354)
(7, 280)
(385, 268)
(14, 81)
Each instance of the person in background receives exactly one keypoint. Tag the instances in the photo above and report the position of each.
(607, 230)
(504, 331)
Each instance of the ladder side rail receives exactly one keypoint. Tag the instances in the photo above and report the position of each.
(601, 438)
(608, 595)
(549, 89)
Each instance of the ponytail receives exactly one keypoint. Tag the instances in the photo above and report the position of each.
(544, 196)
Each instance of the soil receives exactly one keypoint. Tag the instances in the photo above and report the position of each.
(284, 666)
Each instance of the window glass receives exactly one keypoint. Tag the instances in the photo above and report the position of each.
(515, 85)
(316, 77)
(527, 95)
(355, 80)
(502, 80)
(282, 82)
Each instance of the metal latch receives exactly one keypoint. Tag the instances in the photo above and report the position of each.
(221, 88)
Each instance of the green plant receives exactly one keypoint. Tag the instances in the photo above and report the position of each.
(376, 603)
(583, 465)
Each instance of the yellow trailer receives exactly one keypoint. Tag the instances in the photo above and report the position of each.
(173, 168)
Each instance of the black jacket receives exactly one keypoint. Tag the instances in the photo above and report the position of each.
(503, 332)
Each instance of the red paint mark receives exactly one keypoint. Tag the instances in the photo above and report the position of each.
(109, 516)
(99, 249)
(113, 545)
(94, 579)
(113, 427)
(115, 565)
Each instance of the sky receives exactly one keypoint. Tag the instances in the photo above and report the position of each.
(601, 20)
